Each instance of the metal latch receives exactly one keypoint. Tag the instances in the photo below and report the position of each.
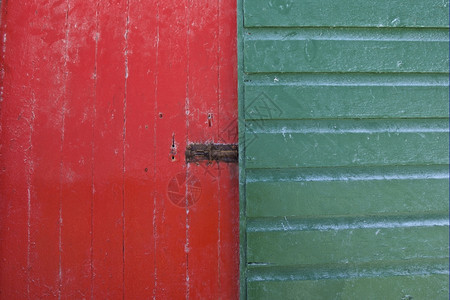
(212, 152)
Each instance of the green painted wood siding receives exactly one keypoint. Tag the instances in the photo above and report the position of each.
(344, 149)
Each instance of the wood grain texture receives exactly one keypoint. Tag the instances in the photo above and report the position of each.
(351, 191)
(391, 286)
(346, 50)
(317, 143)
(385, 240)
(347, 13)
(329, 96)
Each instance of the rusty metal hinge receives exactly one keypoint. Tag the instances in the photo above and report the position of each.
(212, 152)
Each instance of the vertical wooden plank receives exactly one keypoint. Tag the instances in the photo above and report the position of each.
(228, 244)
(16, 164)
(76, 177)
(139, 147)
(109, 150)
(202, 217)
(49, 89)
(170, 172)
(241, 137)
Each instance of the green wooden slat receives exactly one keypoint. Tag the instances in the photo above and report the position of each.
(328, 192)
(376, 269)
(350, 143)
(273, 54)
(242, 170)
(358, 245)
(353, 13)
(393, 287)
(341, 100)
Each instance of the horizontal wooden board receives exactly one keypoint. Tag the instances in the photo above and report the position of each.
(322, 143)
(389, 287)
(353, 13)
(411, 267)
(389, 240)
(346, 191)
(297, 100)
(337, 50)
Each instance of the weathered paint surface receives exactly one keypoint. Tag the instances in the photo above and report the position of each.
(344, 154)
(346, 13)
(98, 102)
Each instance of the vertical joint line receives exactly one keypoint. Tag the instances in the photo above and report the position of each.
(124, 131)
(93, 146)
(218, 164)
(187, 15)
(155, 269)
(63, 113)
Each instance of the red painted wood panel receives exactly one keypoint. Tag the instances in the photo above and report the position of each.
(141, 116)
(76, 165)
(108, 154)
(170, 97)
(16, 168)
(99, 100)
(49, 51)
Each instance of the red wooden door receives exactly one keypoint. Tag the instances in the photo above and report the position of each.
(98, 101)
